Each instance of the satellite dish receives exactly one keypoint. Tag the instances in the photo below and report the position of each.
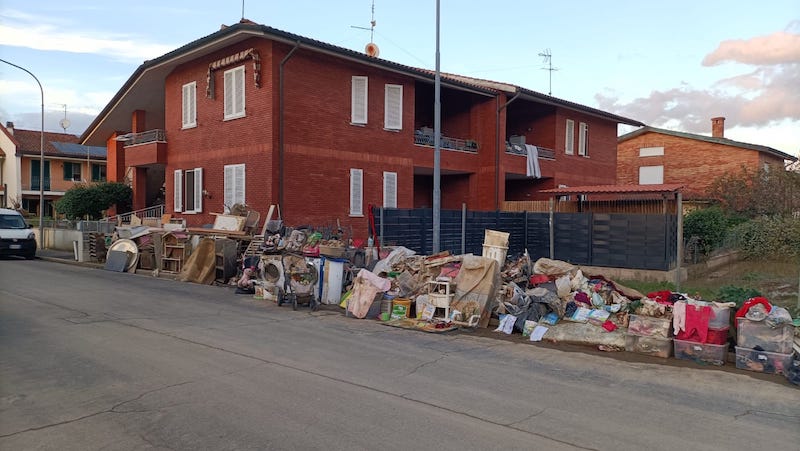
(372, 50)
(64, 123)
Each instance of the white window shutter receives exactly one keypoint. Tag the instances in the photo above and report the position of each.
(229, 106)
(390, 190)
(238, 82)
(178, 191)
(569, 139)
(193, 104)
(359, 100)
(393, 107)
(185, 108)
(228, 182)
(356, 192)
(583, 135)
(239, 186)
(198, 190)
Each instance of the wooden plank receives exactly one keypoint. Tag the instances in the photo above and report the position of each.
(202, 231)
(228, 222)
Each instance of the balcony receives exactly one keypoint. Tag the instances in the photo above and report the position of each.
(544, 152)
(34, 184)
(145, 148)
(424, 137)
(133, 139)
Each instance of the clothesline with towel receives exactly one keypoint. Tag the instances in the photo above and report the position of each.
(533, 161)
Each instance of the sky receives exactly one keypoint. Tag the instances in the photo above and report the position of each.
(672, 65)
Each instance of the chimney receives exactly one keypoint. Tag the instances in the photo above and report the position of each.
(10, 127)
(717, 127)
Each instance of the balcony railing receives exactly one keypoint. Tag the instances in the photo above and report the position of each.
(132, 139)
(34, 184)
(544, 152)
(422, 138)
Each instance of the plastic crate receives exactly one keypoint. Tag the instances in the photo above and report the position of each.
(657, 347)
(762, 361)
(647, 326)
(758, 334)
(720, 317)
(701, 352)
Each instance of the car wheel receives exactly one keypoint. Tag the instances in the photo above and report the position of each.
(30, 255)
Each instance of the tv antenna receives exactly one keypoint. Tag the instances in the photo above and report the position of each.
(371, 49)
(64, 123)
(547, 58)
(242, 9)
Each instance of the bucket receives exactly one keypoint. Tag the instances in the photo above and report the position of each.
(497, 253)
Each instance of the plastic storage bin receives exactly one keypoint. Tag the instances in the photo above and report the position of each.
(717, 336)
(720, 318)
(752, 334)
(657, 347)
(762, 361)
(701, 352)
(647, 326)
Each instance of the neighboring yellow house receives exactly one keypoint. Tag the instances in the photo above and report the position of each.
(66, 163)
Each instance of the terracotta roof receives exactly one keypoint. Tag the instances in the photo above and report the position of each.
(615, 189)
(30, 141)
(710, 139)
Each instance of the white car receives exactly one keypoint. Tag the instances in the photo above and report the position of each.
(16, 236)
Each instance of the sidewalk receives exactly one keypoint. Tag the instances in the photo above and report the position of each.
(62, 256)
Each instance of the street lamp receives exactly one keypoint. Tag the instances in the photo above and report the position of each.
(41, 158)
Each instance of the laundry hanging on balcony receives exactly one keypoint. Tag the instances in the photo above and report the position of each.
(233, 59)
(533, 161)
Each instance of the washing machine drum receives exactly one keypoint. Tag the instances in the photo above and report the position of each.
(273, 272)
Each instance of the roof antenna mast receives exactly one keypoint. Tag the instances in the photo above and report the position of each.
(64, 123)
(371, 48)
(547, 58)
(242, 9)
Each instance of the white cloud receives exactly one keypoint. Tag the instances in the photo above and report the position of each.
(45, 33)
(776, 48)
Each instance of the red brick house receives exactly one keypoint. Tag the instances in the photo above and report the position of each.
(653, 156)
(261, 116)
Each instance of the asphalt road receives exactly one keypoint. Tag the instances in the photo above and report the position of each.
(91, 359)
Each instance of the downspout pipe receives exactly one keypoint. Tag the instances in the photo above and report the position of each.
(497, 149)
(281, 140)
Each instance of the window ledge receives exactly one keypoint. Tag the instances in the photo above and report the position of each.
(190, 126)
(230, 118)
(358, 124)
(356, 216)
(395, 130)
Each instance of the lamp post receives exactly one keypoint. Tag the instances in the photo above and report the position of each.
(437, 130)
(41, 158)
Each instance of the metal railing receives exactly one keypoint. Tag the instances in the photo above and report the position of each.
(34, 183)
(154, 212)
(544, 152)
(132, 139)
(426, 139)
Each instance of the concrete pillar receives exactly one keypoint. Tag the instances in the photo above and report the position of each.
(139, 188)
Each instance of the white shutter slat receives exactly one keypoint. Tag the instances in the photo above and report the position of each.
(393, 110)
(185, 120)
(356, 192)
(198, 190)
(569, 139)
(390, 190)
(359, 100)
(178, 191)
(193, 104)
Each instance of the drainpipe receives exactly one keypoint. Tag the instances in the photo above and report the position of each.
(280, 123)
(497, 150)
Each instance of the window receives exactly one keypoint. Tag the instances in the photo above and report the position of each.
(234, 185)
(72, 171)
(393, 107)
(188, 190)
(98, 172)
(569, 139)
(356, 192)
(651, 175)
(583, 139)
(389, 190)
(651, 151)
(234, 93)
(358, 101)
(189, 105)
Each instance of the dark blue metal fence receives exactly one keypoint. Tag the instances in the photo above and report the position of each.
(621, 240)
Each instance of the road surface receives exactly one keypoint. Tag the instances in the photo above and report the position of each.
(95, 360)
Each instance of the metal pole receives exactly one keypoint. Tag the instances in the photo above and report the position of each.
(679, 213)
(437, 129)
(552, 231)
(463, 228)
(41, 158)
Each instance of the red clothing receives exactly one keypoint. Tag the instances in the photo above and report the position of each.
(750, 303)
(696, 324)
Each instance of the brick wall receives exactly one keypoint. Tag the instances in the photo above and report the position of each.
(693, 163)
